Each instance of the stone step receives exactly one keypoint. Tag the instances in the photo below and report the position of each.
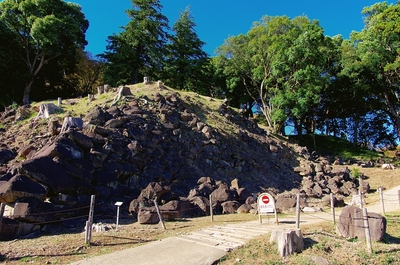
(210, 241)
(234, 238)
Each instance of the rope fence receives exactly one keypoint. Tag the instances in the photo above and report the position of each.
(89, 213)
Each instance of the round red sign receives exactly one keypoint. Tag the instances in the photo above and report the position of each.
(265, 199)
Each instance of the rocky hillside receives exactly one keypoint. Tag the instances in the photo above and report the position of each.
(127, 139)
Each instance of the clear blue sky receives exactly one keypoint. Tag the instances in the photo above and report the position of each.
(218, 19)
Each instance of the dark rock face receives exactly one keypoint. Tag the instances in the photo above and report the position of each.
(20, 186)
(6, 155)
(149, 149)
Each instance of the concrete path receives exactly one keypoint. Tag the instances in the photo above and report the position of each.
(204, 247)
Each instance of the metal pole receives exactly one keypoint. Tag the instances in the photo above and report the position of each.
(298, 212)
(116, 226)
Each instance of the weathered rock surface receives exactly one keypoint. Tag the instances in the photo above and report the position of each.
(351, 224)
(157, 148)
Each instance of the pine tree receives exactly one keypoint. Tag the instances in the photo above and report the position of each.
(185, 64)
(139, 49)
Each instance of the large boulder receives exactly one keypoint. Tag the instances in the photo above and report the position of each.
(33, 210)
(351, 224)
(11, 229)
(20, 186)
(201, 205)
(229, 207)
(148, 215)
(63, 148)
(6, 155)
(58, 176)
(221, 194)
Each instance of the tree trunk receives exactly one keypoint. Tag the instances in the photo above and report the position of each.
(26, 99)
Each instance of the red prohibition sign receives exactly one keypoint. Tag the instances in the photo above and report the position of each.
(265, 199)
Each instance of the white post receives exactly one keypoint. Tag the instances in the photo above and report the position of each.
(367, 232)
(298, 212)
(59, 101)
(333, 208)
(118, 204)
(382, 202)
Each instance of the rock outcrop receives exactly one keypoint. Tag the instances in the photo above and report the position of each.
(117, 152)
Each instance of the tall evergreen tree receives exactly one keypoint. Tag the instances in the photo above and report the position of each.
(139, 49)
(185, 59)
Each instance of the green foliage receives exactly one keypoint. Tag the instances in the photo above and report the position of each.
(330, 145)
(11, 63)
(282, 64)
(44, 30)
(139, 49)
(355, 172)
(185, 66)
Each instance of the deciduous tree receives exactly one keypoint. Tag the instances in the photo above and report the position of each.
(45, 30)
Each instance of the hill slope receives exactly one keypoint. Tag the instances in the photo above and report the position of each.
(149, 135)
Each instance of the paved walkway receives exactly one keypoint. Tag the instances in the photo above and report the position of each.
(206, 246)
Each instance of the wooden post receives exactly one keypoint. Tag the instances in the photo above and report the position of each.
(159, 214)
(2, 208)
(361, 199)
(382, 202)
(211, 209)
(89, 223)
(367, 232)
(87, 240)
(59, 101)
(90, 97)
(333, 208)
(298, 212)
(398, 195)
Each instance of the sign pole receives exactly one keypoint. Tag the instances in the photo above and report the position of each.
(118, 204)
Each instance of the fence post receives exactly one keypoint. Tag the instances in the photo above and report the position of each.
(382, 202)
(89, 223)
(298, 211)
(2, 208)
(360, 194)
(211, 209)
(333, 208)
(367, 232)
(398, 195)
(159, 214)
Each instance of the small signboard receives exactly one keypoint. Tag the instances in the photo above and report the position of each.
(266, 205)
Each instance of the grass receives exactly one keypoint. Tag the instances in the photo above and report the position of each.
(63, 247)
(322, 241)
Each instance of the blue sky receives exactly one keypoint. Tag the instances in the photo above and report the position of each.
(218, 19)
